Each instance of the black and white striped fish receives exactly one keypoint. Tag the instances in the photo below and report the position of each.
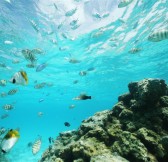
(12, 91)
(8, 107)
(124, 3)
(158, 35)
(29, 55)
(36, 146)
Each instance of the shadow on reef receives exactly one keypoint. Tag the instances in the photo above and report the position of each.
(135, 130)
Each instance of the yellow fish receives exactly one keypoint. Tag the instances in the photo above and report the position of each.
(20, 78)
(9, 140)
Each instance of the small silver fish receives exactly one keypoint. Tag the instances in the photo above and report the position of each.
(3, 94)
(37, 51)
(4, 116)
(73, 60)
(40, 114)
(15, 61)
(72, 106)
(71, 12)
(2, 65)
(75, 27)
(73, 22)
(134, 50)
(105, 15)
(49, 84)
(82, 73)
(30, 65)
(41, 67)
(36, 146)
(2, 130)
(3, 82)
(41, 100)
(8, 107)
(97, 15)
(12, 91)
(8, 42)
(124, 3)
(40, 85)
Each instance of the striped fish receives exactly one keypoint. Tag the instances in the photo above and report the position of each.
(29, 55)
(12, 91)
(158, 35)
(124, 3)
(36, 146)
(8, 107)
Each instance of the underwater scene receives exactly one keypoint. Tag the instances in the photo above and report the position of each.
(83, 80)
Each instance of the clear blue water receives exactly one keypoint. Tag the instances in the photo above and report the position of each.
(99, 43)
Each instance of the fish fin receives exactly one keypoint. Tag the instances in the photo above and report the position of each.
(3, 151)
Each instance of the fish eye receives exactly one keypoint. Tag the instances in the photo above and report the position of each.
(14, 81)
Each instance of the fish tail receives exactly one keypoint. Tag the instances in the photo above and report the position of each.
(89, 97)
(24, 75)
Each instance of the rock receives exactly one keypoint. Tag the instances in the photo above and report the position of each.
(164, 142)
(126, 114)
(164, 117)
(118, 108)
(125, 98)
(164, 101)
(108, 158)
(151, 140)
(148, 91)
(134, 130)
(130, 147)
(99, 119)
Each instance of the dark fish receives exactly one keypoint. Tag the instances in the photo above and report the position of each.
(67, 124)
(30, 144)
(51, 140)
(84, 97)
(75, 81)
(91, 69)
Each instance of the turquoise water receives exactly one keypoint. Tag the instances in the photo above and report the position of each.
(100, 43)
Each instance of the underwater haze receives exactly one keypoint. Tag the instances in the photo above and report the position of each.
(69, 49)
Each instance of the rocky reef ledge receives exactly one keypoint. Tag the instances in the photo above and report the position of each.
(135, 130)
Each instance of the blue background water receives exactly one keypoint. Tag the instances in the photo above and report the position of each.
(114, 67)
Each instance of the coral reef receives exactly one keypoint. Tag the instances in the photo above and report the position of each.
(134, 130)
